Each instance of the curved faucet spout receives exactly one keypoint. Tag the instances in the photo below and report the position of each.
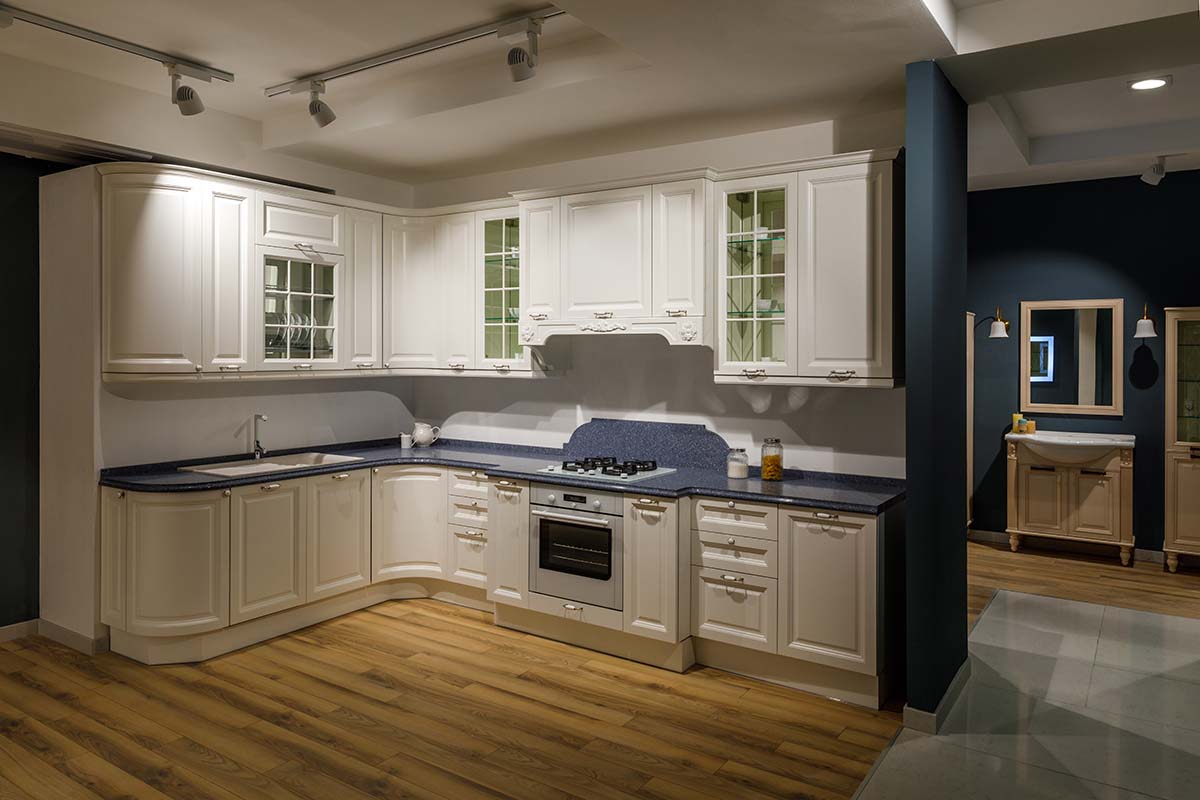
(259, 450)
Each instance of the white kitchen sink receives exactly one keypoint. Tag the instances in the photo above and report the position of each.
(269, 464)
(1071, 448)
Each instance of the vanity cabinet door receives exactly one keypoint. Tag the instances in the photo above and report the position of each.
(408, 523)
(1096, 504)
(1183, 500)
(268, 538)
(651, 569)
(606, 254)
(508, 545)
(339, 533)
(1043, 498)
(227, 255)
(177, 563)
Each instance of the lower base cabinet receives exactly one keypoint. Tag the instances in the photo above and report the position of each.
(339, 533)
(734, 608)
(408, 523)
(651, 577)
(508, 548)
(268, 539)
(467, 555)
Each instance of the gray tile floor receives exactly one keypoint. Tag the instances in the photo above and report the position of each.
(1066, 700)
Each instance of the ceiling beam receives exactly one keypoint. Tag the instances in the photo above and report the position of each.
(1012, 124)
(1159, 138)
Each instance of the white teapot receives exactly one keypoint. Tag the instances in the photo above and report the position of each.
(425, 435)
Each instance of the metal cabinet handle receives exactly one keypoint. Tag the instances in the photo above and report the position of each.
(473, 534)
(841, 374)
(501, 367)
(366, 366)
(731, 540)
(538, 315)
(341, 476)
(121, 495)
(572, 607)
(226, 493)
(1093, 472)
(825, 515)
(376, 470)
(733, 578)
(302, 366)
(269, 487)
(602, 314)
(456, 365)
(754, 373)
(504, 483)
(474, 473)
(732, 504)
(229, 367)
(1042, 468)
(677, 312)
(474, 504)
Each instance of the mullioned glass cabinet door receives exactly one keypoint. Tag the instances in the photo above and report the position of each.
(499, 247)
(299, 294)
(1183, 369)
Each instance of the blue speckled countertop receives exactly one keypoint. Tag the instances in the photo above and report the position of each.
(849, 493)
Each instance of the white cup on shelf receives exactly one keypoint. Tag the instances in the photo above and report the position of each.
(406, 441)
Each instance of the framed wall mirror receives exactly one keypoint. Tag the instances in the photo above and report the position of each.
(1071, 356)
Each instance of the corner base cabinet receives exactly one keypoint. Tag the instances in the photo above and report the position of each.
(408, 522)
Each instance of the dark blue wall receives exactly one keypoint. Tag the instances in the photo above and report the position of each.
(935, 381)
(19, 400)
(1091, 239)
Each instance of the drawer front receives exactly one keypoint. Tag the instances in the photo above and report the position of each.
(467, 555)
(293, 222)
(580, 612)
(470, 512)
(735, 608)
(469, 483)
(735, 553)
(758, 520)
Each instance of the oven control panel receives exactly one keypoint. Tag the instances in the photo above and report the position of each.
(569, 497)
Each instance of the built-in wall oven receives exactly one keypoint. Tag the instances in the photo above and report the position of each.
(576, 549)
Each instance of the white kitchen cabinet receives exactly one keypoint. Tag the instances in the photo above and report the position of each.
(267, 543)
(606, 254)
(498, 287)
(306, 225)
(756, 276)
(470, 512)
(112, 557)
(651, 569)
(411, 292)
(540, 257)
(299, 299)
(468, 483)
(177, 568)
(456, 295)
(227, 255)
(845, 272)
(467, 555)
(735, 553)
(508, 543)
(735, 517)
(362, 291)
(827, 589)
(680, 247)
(151, 273)
(734, 608)
(408, 522)
(339, 533)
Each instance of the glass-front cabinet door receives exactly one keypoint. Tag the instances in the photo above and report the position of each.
(756, 274)
(299, 293)
(498, 243)
(1183, 374)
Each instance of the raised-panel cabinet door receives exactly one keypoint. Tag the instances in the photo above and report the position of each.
(339, 533)
(606, 254)
(735, 608)
(112, 557)
(508, 545)
(651, 569)
(1042, 498)
(541, 275)
(408, 523)
(268, 538)
(1183, 501)
(304, 224)
(1096, 504)
(680, 247)
(456, 293)
(845, 272)
(177, 563)
(412, 291)
(227, 225)
(151, 257)
(362, 299)
(827, 580)
(467, 555)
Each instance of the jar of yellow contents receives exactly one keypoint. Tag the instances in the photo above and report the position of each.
(772, 460)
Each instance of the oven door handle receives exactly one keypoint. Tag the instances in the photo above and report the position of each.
(594, 523)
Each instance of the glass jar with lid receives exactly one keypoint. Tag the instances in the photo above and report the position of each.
(737, 463)
(772, 460)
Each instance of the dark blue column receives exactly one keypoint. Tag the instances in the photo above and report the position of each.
(935, 379)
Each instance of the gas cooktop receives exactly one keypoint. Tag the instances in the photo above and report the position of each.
(608, 469)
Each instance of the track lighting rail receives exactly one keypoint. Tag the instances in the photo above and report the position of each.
(429, 45)
(186, 66)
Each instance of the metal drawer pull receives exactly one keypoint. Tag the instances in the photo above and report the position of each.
(365, 366)
(473, 534)
(120, 495)
(754, 373)
(825, 515)
(228, 367)
(504, 483)
(731, 540)
(538, 315)
(302, 366)
(341, 476)
(572, 607)
(270, 487)
(226, 493)
(501, 367)
(677, 312)
(732, 504)
(1042, 468)
(733, 578)
(1092, 472)
(474, 474)
(602, 314)
(474, 504)
(456, 365)
(841, 373)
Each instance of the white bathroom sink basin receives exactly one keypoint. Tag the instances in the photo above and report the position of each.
(269, 464)
(1071, 448)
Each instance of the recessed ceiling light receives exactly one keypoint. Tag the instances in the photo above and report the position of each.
(1149, 84)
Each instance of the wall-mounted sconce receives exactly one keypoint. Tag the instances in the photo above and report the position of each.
(1000, 325)
(1145, 325)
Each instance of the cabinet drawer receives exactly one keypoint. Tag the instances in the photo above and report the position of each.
(737, 553)
(292, 222)
(467, 555)
(757, 520)
(580, 612)
(735, 608)
(471, 512)
(469, 483)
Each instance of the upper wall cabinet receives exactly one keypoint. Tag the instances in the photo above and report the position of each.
(606, 252)
(498, 290)
(362, 290)
(303, 224)
(301, 302)
(680, 247)
(227, 253)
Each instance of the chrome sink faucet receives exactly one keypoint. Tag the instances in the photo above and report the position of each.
(259, 450)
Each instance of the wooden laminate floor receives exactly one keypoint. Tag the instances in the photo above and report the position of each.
(415, 699)
(1144, 586)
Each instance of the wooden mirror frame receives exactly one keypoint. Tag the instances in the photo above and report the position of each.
(1118, 356)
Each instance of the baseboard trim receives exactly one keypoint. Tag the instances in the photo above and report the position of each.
(931, 722)
(18, 629)
(72, 639)
(1050, 544)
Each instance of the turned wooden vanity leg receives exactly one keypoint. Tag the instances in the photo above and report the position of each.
(1172, 562)
(1126, 555)
(1014, 541)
